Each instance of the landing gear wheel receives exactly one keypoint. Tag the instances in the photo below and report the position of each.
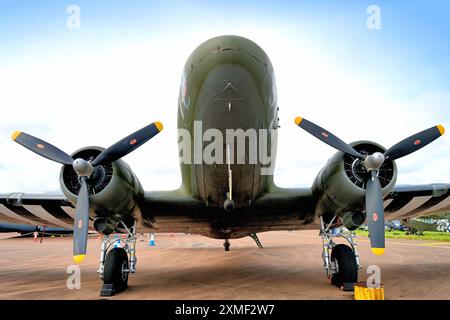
(226, 245)
(346, 270)
(116, 269)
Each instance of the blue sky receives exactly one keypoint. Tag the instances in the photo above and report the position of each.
(413, 39)
(411, 51)
(399, 74)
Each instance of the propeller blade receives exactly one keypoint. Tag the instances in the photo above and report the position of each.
(128, 144)
(41, 147)
(326, 137)
(414, 142)
(375, 214)
(81, 223)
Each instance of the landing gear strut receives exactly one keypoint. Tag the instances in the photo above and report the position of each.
(117, 263)
(227, 245)
(254, 236)
(341, 262)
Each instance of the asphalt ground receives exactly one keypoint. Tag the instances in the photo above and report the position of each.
(183, 266)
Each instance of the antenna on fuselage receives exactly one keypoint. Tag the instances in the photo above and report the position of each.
(228, 204)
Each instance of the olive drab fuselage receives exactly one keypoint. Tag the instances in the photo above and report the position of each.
(227, 83)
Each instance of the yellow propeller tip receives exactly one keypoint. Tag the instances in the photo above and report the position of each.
(79, 258)
(159, 125)
(441, 129)
(298, 120)
(15, 135)
(378, 251)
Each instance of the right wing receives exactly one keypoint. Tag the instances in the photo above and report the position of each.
(409, 201)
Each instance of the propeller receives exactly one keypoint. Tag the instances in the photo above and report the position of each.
(373, 163)
(84, 169)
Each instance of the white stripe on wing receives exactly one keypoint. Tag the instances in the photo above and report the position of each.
(415, 203)
(41, 213)
(4, 210)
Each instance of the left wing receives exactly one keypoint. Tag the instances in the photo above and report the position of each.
(49, 209)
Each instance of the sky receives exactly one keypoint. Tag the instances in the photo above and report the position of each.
(121, 70)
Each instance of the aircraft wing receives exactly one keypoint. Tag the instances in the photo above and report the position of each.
(409, 201)
(169, 211)
(166, 210)
(50, 209)
(54, 209)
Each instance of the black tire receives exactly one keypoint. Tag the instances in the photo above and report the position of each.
(345, 259)
(226, 246)
(116, 261)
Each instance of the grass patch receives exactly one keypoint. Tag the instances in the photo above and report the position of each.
(427, 235)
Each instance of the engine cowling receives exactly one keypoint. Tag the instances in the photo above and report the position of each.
(114, 190)
(340, 185)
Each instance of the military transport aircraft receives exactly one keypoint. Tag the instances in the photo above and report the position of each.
(436, 222)
(227, 83)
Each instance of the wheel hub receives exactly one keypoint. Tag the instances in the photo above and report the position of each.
(124, 270)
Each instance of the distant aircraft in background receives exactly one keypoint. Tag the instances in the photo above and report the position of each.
(228, 83)
(439, 222)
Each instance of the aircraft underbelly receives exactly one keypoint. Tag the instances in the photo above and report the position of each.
(229, 226)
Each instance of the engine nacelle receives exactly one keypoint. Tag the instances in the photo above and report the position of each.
(340, 185)
(114, 190)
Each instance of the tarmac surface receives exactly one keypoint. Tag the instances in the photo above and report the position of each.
(194, 267)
